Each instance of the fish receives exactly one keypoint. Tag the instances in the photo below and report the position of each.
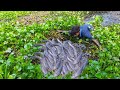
(70, 60)
(39, 45)
(59, 41)
(69, 68)
(80, 69)
(52, 54)
(65, 69)
(37, 53)
(67, 52)
(71, 65)
(59, 50)
(50, 58)
(42, 49)
(44, 41)
(57, 64)
(82, 46)
(44, 62)
(79, 57)
(48, 45)
(68, 49)
(51, 67)
(58, 71)
(36, 57)
(44, 70)
(74, 50)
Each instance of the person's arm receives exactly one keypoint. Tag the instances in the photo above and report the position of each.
(95, 41)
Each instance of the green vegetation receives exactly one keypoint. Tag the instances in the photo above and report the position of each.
(17, 40)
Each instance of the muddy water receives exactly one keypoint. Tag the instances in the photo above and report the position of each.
(109, 17)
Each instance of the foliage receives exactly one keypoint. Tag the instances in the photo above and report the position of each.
(16, 45)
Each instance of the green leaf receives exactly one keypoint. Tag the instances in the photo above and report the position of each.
(30, 67)
(98, 75)
(10, 77)
(1, 77)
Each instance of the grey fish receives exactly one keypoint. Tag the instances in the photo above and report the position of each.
(68, 48)
(52, 54)
(65, 69)
(74, 50)
(39, 45)
(44, 70)
(79, 71)
(71, 65)
(67, 52)
(59, 41)
(37, 53)
(44, 62)
(50, 58)
(44, 41)
(58, 63)
(58, 71)
(69, 68)
(82, 46)
(51, 67)
(36, 57)
(70, 60)
(59, 50)
(48, 45)
(79, 57)
(42, 49)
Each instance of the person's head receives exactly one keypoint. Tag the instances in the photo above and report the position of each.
(75, 31)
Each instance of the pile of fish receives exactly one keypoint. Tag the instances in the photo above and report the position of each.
(62, 58)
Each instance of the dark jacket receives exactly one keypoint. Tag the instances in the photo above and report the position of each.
(85, 31)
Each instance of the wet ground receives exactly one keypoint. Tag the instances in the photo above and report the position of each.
(109, 17)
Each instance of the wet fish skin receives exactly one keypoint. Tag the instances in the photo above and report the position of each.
(74, 50)
(39, 45)
(44, 62)
(37, 54)
(62, 62)
(42, 49)
(44, 41)
(50, 58)
(65, 69)
(48, 45)
(44, 70)
(50, 64)
(59, 41)
(36, 57)
(59, 50)
(58, 71)
(69, 68)
(69, 60)
(57, 63)
(79, 71)
(79, 57)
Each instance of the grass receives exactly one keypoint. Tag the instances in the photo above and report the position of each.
(17, 40)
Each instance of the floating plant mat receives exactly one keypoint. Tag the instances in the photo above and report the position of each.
(61, 57)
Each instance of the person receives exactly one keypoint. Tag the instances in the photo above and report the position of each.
(83, 32)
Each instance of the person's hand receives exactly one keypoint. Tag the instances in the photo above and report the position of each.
(97, 43)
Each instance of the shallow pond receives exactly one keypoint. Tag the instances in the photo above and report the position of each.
(109, 17)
